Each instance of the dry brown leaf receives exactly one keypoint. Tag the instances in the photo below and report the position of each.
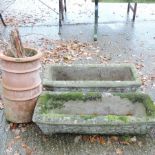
(119, 151)
(85, 138)
(1, 105)
(139, 66)
(153, 77)
(114, 138)
(9, 150)
(133, 139)
(140, 144)
(124, 142)
(9, 146)
(17, 137)
(16, 131)
(13, 126)
(92, 139)
(67, 51)
(16, 153)
(129, 113)
(102, 140)
(28, 150)
(23, 129)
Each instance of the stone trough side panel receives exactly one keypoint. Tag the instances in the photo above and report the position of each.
(142, 128)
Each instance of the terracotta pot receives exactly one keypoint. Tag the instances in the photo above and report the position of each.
(21, 84)
(19, 111)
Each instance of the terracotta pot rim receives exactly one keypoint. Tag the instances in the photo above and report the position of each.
(26, 59)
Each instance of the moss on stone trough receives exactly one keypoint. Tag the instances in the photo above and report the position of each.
(51, 101)
(117, 118)
(51, 121)
(141, 98)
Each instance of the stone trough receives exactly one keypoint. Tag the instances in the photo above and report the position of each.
(91, 77)
(94, 113)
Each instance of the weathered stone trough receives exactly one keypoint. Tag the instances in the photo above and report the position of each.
(91, 77)
(94, 113)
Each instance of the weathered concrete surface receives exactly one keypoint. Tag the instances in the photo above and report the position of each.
(118, 38)
(3, 133)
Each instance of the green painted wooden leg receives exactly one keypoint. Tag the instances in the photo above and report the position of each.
(133, 9)
(65, 5)
(128, 9)
(134, 12)
(96, 20)
(60, 17)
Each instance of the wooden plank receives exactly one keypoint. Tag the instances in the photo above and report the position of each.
(16, 44)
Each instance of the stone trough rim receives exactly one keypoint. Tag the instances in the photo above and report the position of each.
(93, 83)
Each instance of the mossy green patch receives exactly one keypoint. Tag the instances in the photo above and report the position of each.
(125, 138)
(117, 118)
(141, 98)
(86, 117)
(49, 101)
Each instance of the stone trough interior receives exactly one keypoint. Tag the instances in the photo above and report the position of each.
(84, 73)
(105, 104)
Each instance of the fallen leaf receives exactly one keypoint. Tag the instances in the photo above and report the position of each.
(119, 151)
(153, 77)
(92, 139)
(9, 146)
(16, 131)
(16, 153)
(23, 129)
(77, 139)
(85, 138)
(129, 114)
(66, 51)
(28, 150)
(114, 139)
(1, 105)
(102, 141)
(9, 150)
(13, 126)
(133, 139)
(140, 144)
(124, 142)
(17, 137)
